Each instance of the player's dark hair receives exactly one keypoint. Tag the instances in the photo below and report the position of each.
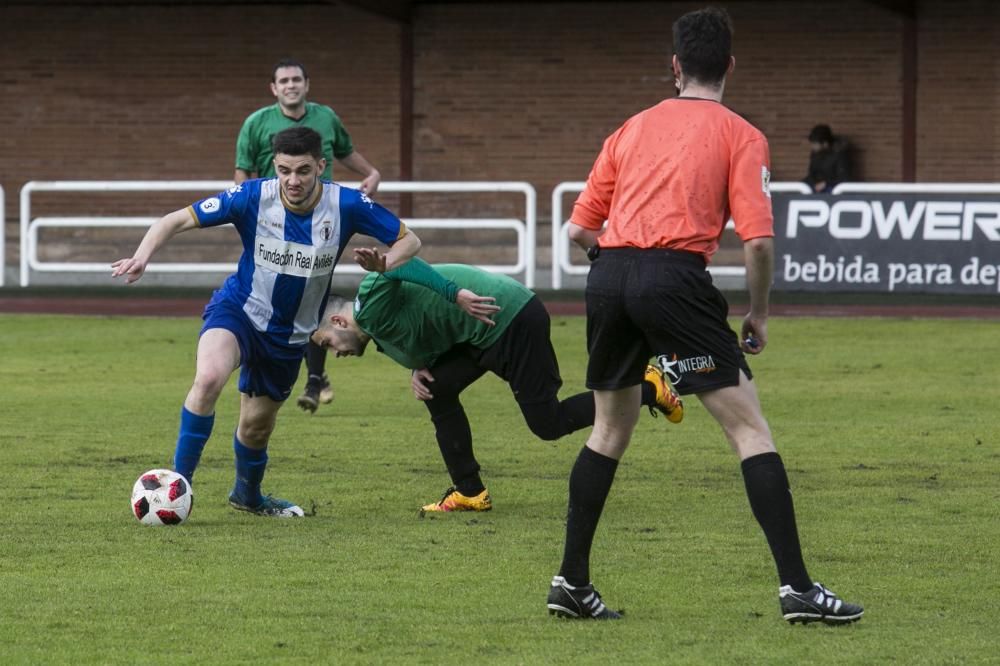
(288, 62)
(298, 141)
(703, 42)
(334, 303)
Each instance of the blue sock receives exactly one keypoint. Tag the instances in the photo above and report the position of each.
(250, 466)
(195, 431)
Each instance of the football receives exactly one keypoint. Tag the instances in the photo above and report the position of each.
(161, 497)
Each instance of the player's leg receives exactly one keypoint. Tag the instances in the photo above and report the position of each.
(452, 373)
(687, 328)
(571, 593)
(592, 475)
(317, 389)
(266, 381)
(218, 355)
(737, 409)
(617, 360)
(523, 357)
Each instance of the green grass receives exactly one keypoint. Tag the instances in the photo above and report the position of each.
(888, 429)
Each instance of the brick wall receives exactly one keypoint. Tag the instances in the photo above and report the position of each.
(503, 91)
(130, 92)
(958, 91)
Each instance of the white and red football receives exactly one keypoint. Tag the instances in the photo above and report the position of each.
(161, 497)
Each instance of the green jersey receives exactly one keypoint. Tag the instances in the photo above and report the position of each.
(253, 146)
(414, 326)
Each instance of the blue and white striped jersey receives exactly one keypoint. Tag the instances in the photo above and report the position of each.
(289, 252)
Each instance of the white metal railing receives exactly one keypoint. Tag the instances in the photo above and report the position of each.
(561, 261)
(525, 229)
(928, 188)
(29, 226)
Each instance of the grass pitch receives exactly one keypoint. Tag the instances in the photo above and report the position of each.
(888, 429)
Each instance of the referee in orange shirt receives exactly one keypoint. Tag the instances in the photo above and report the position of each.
(666, 182)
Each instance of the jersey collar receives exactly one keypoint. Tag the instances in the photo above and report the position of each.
(306, 207)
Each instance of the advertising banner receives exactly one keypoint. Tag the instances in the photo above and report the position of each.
(889, 242)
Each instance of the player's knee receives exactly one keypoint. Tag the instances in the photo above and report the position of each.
(203, 395)
(208, 386)
(254, 433)
(546, 429)
(442, 408)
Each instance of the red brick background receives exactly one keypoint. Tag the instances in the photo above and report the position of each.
(502, 91)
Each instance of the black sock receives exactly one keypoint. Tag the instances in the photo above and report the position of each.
(648, 394)
(315, 360)
(454, 437)
(589, 485)
(771, 502)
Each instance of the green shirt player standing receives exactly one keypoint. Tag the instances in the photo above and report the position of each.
(408, 312)
(255, 159)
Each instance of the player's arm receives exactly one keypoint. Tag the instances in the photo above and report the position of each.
(245, 153)
(593, 205)
(584, 237)
(242, 175)
(758, 255)
(418, 271)
(357, 163)
(750, 203)
(156, 237)
(364, 216)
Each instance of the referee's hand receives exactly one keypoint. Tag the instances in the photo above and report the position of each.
(753, 334)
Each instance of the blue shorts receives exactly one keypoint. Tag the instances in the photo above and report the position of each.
(266, 368)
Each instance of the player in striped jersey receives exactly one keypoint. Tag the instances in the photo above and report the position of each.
(293, 229)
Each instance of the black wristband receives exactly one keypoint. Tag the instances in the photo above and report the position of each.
(593, 251)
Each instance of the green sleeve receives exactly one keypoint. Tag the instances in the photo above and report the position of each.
(244, 151)
(342, 145)
(418, 271)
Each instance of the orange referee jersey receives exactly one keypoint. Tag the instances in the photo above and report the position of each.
(672, 176)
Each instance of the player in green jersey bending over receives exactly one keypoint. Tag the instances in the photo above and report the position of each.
(408, 313)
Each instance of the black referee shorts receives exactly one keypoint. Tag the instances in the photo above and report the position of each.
(643, 303)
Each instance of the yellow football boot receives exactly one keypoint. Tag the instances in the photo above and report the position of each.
(456, 501)
(668, 400)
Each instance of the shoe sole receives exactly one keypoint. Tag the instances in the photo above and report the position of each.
(307, 404)
(562, 611)
(326, 396)
(425, 510)
(806, 618)
(285, 513)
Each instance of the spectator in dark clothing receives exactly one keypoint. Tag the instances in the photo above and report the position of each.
(829, 162)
